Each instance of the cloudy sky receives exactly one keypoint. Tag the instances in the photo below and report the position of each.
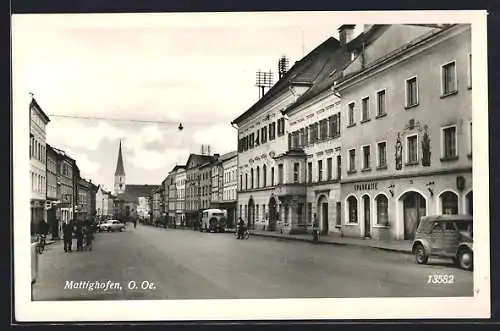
(197, 69)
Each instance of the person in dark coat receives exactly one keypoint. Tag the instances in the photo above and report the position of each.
(241, 228)
(89, 235)
(79, 236)
(68, 236)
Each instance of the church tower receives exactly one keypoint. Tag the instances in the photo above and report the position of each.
(119, 173)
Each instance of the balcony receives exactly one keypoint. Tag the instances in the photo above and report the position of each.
(293, 189)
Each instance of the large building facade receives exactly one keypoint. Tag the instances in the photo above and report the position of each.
(104, 203)
(194, 195)
(268, 195)
(38, 160)
(407, 121)
(52, 196)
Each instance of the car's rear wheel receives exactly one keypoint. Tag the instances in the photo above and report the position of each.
(420, 256)
(121, 229)
(465, 259)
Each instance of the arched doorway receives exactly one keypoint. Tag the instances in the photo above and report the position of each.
(367, 216)
(469, 203)
(322, 209)
(251, 214)
(273, 214)
(414, 207)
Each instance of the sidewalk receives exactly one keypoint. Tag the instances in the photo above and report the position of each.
(400, 246)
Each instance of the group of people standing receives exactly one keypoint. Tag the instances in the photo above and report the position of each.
(83, 231)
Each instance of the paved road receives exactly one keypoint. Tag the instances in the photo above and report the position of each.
(185, 264)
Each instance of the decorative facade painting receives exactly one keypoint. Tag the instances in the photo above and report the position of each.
(426, 149)
(399, 153)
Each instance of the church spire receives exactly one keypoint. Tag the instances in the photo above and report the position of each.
(119, 164)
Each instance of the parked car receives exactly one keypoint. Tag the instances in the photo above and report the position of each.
(445, 236)
(111, 225)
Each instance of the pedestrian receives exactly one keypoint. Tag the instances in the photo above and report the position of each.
(79, 236)
(89, 236)
(315, 228)
(68, 236)
(135, 223)
(241, 228)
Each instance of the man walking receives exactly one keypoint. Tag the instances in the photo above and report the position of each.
(79, 236)
(241, 228)
(68, 236)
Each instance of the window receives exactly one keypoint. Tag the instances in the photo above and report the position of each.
(264, 176)
(281, 126)
(313, 128)
(449, 203)
(352, 205)
(412, 148)
(334, 125)
(258, 178)
(411, 92)
(449, 142)
(382, 154)
(351, 113)
(296, 168)
(320, 170)
(309, 212)
(241, 182)
(366, 157)
(301, 138)
(365, 111)
(323, 129)
(329, 168)
(263, 134)
(280, 174)
(272, 176)
(339, 166)
(448, 78)
(251, 140)
(246, 181)
(272, 131)
(257, 140)
(382, 209)
(251, 178)
(296, 139)
(352, 160)
(381, 103)
(306, 136)
(309, 172)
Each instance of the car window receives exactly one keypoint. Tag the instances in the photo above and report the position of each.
(449, 226)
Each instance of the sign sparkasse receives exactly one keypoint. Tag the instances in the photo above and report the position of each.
(366, 186)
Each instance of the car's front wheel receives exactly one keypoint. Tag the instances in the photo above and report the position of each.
(420, 256)
(465, 259)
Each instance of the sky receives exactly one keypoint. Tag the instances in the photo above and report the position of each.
(194, 69)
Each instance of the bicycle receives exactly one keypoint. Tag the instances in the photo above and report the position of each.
(40, 247)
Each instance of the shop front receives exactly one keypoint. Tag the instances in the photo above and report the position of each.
(391, 208)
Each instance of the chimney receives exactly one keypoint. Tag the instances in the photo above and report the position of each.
(216, 155)
(346, 33)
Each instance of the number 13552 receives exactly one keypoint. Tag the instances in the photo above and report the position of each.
(441, 279)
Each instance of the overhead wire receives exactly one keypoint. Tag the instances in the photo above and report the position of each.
(131, 120)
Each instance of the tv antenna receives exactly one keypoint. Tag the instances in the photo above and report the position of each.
(283, 66)
(262, 80)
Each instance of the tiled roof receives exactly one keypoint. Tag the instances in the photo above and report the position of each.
(132, 192)
(303, 72)
(335, 63)
(199, 158)
(228, 156)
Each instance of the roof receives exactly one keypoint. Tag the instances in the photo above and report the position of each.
(62, 153)
(134, 191)
(35, 104)
(228, 156)
(303, 72)
(119, 164)
(178, 166)
(396, 52)
(335, 63)
(198, 159)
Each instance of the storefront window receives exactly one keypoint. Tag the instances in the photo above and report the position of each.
(352, 203)
(382, 210)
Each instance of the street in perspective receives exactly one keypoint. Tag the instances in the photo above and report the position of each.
(154, 263)
(206, 162)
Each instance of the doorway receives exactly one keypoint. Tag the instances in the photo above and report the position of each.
(323, 208)
(366, 212)
(414, 207)
(272, 214)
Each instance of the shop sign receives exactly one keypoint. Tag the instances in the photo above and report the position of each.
(366, 186)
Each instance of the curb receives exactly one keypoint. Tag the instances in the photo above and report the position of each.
(387, 249)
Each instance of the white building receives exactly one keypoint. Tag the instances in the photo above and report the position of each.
(143, 208)
(225, 184)
(104, 203)
(180, 188)
(38, 163)
(263, 197)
